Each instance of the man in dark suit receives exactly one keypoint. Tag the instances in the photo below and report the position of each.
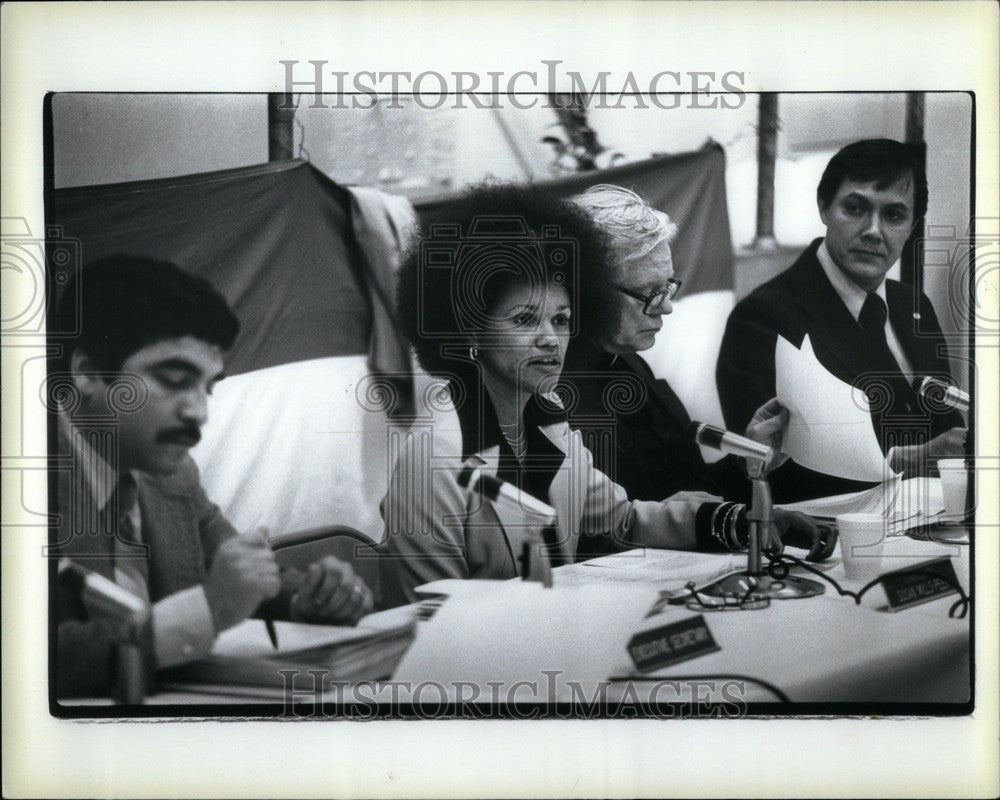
(132, 395)
(634, 424)
(866, 331)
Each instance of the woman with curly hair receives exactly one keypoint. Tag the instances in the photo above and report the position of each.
(489, 301)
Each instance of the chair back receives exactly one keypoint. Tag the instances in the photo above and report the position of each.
(299, 549)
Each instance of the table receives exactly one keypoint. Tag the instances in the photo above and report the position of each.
(812, 652)
(819, 650)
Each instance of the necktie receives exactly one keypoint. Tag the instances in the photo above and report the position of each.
(889, 390)
(131, 569)
(872, 320)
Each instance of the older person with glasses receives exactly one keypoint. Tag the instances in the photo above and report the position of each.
(633, 423)
(652, 303)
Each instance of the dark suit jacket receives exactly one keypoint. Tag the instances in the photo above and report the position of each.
(636, 428)
(182, 529)
(800, 301)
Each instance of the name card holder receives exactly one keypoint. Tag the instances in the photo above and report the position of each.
(921, 583)
(670, 644)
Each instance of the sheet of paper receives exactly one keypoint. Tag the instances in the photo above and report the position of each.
(455, 586)
(524, 641)
(829, 428)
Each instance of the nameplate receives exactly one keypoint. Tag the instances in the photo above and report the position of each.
(920, 583)
(671, 644)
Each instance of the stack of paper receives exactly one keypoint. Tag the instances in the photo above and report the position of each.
(244, 657)
(661, 569)
(905, 504)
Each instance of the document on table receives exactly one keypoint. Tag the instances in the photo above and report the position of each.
(829, 427)
(522, 642)
(904, 503)
(661, 569)
(249, 638)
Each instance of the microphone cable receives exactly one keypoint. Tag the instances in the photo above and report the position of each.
(718, 676)
(780, 565)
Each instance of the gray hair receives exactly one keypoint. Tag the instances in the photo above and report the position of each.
(631, 223)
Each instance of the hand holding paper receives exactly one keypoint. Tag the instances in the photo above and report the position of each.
(917, 460)
(767, 426)
(829, 428)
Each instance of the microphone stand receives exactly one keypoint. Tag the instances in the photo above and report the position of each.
(132, 682)
(752, 588)
(536, 557)
(535, 565)
(131, 616)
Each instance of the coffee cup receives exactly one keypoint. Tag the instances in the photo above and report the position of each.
(862, 537)
(954, 487)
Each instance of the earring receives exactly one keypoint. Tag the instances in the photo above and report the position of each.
(473, 352)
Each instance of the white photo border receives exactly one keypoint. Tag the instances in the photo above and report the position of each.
(237, 47)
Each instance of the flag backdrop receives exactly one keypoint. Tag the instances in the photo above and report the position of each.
(288, 445)
(295, 436)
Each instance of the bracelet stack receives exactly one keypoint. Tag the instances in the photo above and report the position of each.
(723, 526)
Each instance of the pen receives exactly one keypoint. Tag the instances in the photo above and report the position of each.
(272, 634)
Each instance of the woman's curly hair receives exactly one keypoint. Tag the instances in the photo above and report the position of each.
(495, 235)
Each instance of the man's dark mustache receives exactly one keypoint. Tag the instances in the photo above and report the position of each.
(188, 435)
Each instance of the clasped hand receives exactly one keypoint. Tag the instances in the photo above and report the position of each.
(332, 593)
(244, 574)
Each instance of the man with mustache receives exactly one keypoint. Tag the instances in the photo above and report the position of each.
(133, 391)
(861, 326)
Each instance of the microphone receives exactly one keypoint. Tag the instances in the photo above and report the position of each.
(104, 596)
(500, 491)
(131, 615)
(727, 442)
(941, 394)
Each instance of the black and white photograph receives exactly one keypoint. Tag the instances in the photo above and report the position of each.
(646, 399)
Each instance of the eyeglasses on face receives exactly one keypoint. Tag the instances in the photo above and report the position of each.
(653, 302)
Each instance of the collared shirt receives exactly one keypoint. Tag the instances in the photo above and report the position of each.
(854, 298)
(182, 622)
